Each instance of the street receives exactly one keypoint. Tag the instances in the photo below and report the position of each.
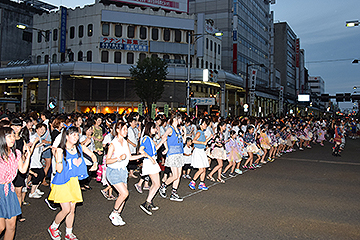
(302, 195)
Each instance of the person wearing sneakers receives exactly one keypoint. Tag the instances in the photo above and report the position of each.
(117, 159)
(65, 189)
(150, 165)
(36, 168)
(199, 159)
(11, 161)
(174, 158)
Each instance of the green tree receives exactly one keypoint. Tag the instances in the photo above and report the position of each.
(149, 75)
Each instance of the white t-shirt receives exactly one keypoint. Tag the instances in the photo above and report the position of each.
(133, 136)
(90, 146)
(187, 151)
(35, 159)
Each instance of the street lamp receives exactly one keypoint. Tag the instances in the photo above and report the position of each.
(43, 33)
(354, 23)
(247, 83)
(198, 36)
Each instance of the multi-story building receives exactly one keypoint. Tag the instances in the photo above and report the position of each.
(93, 48)
(285, 59)
(316, 85)
(15, 45)
(246, 43)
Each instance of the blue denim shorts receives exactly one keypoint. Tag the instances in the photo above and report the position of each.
(115, 176)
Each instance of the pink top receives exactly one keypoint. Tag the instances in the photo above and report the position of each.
(8, 170)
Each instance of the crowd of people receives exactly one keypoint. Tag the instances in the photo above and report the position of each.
(66, 152)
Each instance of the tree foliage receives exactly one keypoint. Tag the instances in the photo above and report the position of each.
(149, 75)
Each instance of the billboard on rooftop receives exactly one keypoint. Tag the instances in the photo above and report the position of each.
(172, 5)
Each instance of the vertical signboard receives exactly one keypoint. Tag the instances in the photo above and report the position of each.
(153, 110)
(297, 51)
(140, 109)
(63, 20)
(166, 110)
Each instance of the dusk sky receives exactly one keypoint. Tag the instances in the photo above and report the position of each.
(329, 46)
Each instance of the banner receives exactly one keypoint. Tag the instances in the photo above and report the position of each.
(175, 5)
(153, 110)
(140, 109)
(123, 44)
(166, 110)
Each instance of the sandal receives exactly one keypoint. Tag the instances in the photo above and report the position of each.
(211, 178)
(220, 180)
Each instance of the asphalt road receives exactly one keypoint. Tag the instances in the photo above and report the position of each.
(303, 195)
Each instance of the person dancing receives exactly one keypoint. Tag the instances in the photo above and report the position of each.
(11, 161)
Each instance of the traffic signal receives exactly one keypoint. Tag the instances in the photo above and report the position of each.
(211, 76)
(347, 97)
(339, 97)
(324, 98)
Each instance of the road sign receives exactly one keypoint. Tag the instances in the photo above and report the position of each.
(166, 110)
(153, 110)
(202, 101)
(140, 109)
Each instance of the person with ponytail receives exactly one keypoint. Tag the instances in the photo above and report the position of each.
(65, 189)
(117, 160)
(11, 161)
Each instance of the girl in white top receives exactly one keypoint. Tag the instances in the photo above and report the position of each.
(150, 166)
(117, 159)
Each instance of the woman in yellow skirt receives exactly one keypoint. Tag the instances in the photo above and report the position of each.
(65, 188)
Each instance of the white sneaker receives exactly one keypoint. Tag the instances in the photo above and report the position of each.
(38, 191)
(116, 219)
(35, 195)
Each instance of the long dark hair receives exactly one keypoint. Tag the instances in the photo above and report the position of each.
(119, 125)
(4, 149)
(68, 132)
(220, 124)
(148, 127)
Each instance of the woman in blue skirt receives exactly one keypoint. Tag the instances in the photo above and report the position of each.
(10, 162)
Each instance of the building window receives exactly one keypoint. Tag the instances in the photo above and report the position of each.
(118, 30)
(71, 57)
(72, 32)
(62, 57)
(104, 56)
(166, 56)
(154, 55)
(178, 59)
(207, 43)
(142, 56)
(214, 47)
(211, 45)
(143, 32)
(117, 57)
(54, 58)
(131, 32)
(105, 29)
(155, 34)
(89, 56)
(206, 64)
(27, 36)
(90, 30)
(80, 56)
(55, 35)
(38, 59)
(130, 58)
(210, 65)
(81, 31)
(197, 63)
(47, 35)
(167, 35)
(39, 37)
(187, 37)
(202, 63)
(219, 49)
(46, 59)
(177, 35)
